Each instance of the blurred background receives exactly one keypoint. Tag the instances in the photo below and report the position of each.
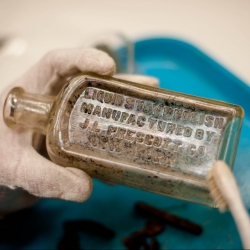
(219, 29)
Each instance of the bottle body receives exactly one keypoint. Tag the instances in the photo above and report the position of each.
(143, 137)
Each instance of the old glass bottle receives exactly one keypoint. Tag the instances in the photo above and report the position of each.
(126, 133)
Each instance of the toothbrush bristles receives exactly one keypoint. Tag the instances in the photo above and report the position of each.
(216, 194)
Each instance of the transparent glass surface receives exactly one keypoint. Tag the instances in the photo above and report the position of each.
(125, 133)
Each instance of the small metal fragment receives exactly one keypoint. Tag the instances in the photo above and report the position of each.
(170, 219)
(138, 239)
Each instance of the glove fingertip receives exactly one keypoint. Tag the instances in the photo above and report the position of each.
(44, 178)
(82, 187)
(107, 65)
(96, 61)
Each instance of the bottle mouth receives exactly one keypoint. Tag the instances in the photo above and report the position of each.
(30, 111)
(10, 106)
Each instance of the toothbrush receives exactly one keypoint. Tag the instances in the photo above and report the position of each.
(224, 190)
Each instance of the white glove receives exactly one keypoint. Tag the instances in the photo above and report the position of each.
(21, 166)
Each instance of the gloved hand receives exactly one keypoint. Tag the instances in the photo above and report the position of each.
(21, 166)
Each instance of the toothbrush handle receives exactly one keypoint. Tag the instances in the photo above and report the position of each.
(242, 220)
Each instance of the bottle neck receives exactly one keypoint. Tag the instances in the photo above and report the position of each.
(31, 111)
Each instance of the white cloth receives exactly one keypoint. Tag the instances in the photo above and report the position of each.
(21, 166)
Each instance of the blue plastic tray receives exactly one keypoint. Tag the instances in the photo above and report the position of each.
(183, 68)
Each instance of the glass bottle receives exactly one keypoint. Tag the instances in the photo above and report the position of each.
(130, 134)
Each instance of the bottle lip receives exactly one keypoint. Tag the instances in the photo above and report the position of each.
(10, 105)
